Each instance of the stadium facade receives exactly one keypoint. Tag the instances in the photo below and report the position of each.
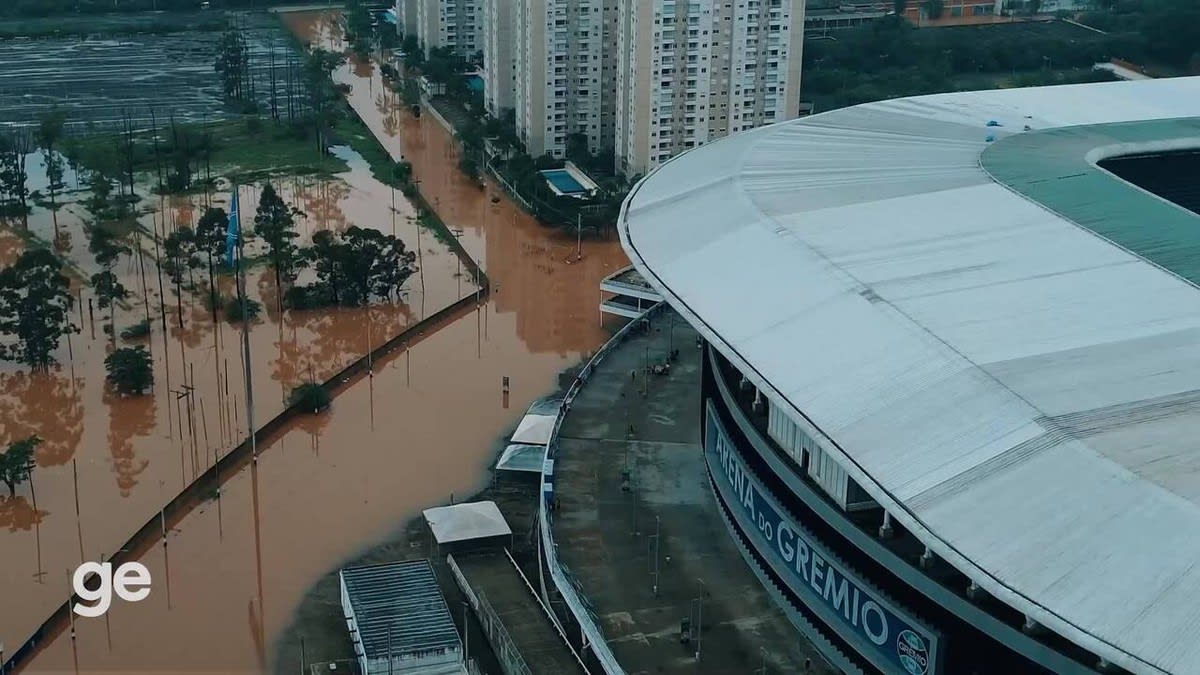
(952, 371)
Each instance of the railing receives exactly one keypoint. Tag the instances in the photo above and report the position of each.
(558, 572)
(511, 661)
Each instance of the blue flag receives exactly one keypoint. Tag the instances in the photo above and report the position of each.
(233, 229)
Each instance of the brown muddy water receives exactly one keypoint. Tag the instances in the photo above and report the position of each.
(423, 427)
(124, 457)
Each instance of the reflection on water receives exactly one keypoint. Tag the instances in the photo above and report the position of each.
(134, 417)
(17, 513)
(123, 457)
(47, 405)
(420, 428)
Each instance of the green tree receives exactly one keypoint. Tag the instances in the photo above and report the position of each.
(16, 462)
(130, 370)
(899, 6)
(232, 64)
(325, 101)
(310, 397)
(109, 291)
(275, 222)
(353, 267)
(49, 132)
(358, 26)
(180, 250)
(14, 191)
(210, 243)
(35, 305)
(934, 8)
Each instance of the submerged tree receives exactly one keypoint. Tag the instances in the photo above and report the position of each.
(16, 462)
(353, 267)
(109, 291)
(14, 192)
(49, 132)
(130, 370)
(35, 305)
(210, 244)
(275, 222)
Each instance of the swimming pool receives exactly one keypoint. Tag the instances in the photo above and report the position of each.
(562, 180)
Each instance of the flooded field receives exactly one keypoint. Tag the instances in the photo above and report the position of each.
(423, 427)
(99, 73)
(122, 458)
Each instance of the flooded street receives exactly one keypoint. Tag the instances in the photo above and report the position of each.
(423, 427)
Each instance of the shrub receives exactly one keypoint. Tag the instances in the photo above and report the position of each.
(130, 370)
(309, 397)
(138, 330)
(233, 310)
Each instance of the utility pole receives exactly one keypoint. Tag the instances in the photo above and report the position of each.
(699, 618)
(579, 236)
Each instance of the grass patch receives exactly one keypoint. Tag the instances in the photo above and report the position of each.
(245, 148)
(263, 147)
(351, 131)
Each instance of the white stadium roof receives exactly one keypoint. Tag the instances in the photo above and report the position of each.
(1018, 390)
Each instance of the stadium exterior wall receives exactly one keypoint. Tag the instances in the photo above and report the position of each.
(959, 633)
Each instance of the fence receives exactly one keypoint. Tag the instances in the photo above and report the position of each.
(231, 462)
(502, 643)
(558, 572)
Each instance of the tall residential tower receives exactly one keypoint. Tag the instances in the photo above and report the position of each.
(692, 72)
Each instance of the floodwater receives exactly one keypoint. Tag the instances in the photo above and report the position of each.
(422, 427)
(122, 458)
(117, 69)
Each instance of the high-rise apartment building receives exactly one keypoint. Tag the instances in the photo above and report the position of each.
(406, 17)
(644, 79)
(689, 72)
(500, 74)
(563, 56)
(450, 23)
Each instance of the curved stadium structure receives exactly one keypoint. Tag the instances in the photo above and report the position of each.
(952, 373)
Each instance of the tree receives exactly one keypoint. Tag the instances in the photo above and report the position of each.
(275, 222)
(309, 397)
(899, 6)
(358, 26)
(210, 242)
(180, 250)
(16, 463)
(130, 370)
(35, 304)
(324, 99)
(49, 132)
(14, 193)
(109, 290)
(352, 267)
(232, 63)
(934, 8)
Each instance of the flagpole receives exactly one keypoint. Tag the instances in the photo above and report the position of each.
(241, 289)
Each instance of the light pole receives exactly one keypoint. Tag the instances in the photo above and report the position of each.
(466, 635)
(699, 617)
(657, 532)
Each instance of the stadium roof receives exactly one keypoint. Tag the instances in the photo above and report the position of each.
(998, 340)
